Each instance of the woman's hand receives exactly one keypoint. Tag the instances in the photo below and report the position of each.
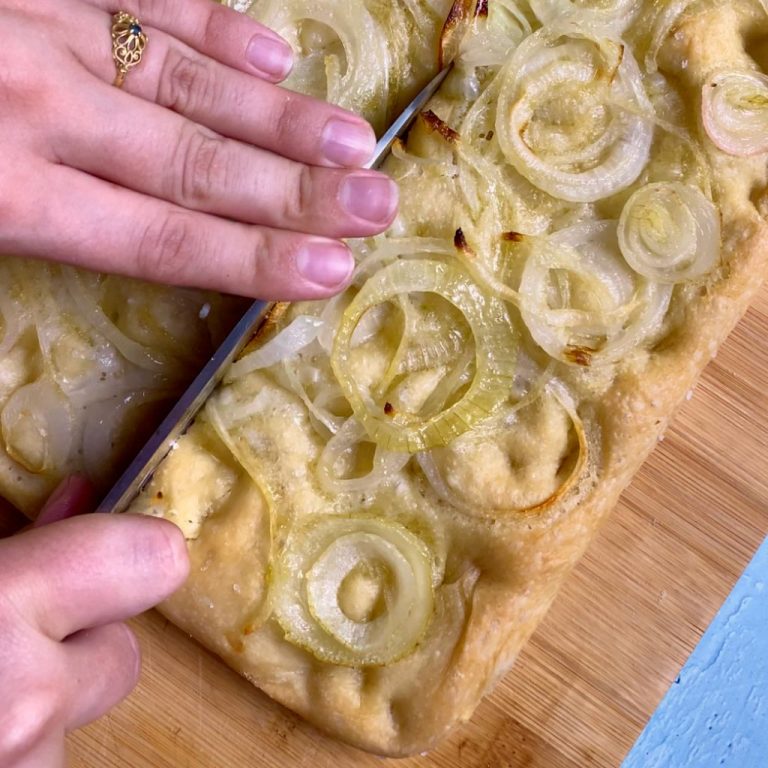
(65, 656)
(199, 171)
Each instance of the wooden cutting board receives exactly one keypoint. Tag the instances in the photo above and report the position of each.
(595, 670)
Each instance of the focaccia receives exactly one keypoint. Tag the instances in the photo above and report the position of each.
(383, 497)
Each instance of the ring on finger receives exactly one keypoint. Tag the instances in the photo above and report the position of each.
(128, 43)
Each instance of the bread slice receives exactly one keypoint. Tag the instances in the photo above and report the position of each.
(504, 508)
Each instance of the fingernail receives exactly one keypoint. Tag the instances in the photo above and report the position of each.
(347, 143)
(272, 57)
(372, 197)
(325, 263)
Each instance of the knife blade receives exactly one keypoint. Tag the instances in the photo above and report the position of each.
(161, 443)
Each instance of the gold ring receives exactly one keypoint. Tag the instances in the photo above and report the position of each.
(128, 44)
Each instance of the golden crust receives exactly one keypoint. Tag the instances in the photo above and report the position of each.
(408, 706)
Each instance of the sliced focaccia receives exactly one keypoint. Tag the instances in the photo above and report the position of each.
(385, 493)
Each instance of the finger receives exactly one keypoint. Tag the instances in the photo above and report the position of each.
(177, 160)
(73, 496)
(233, 104)
(31, 727)
(221, 33)
(100, 667)
(131, 234)
(91, 570)
(48, 753)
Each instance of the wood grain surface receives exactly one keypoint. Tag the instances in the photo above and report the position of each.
(594, 671)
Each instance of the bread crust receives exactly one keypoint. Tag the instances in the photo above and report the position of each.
(407, 707)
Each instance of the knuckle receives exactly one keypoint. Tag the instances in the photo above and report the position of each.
(291, 115)
(263, 261)
(299, 195)
(24, 92)
(215, 27)
(186, 84)
(201, 167)
(166, 246)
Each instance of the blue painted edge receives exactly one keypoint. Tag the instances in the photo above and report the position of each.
(716, 711)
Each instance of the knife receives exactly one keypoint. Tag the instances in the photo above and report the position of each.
(162, 442)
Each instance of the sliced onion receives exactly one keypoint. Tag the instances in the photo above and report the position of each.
(330, 564)
(301, 332)
(601, 311)
(39, 428)
(78, 359)
(670, 232)
(493, 38)
(383, 251)
(90, 310)
(495, 348)
(268, 433)
(222, 419)
(594, 87)
(319, 406)
(497, 197)
(340, 451)
(734, 111)
(331, 315)
(429, 340)
(485, 264)
(615, 15)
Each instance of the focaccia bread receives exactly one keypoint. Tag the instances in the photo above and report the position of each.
(383, 497)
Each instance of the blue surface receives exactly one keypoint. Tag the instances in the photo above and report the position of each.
(716, 712)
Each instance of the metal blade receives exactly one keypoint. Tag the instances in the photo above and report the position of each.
(184, 411)
(407, 116)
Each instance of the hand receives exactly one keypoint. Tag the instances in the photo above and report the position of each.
(200, 171)
(65, 656)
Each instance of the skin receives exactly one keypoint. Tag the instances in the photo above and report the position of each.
(67, 585)
(200, 171)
